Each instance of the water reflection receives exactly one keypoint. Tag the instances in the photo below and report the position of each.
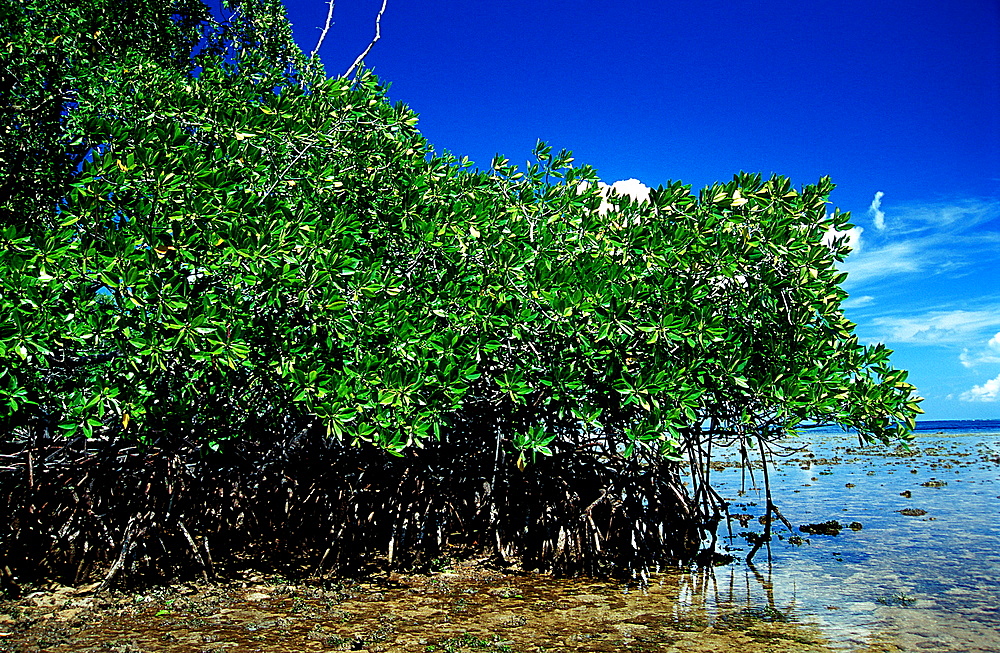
(925, 580)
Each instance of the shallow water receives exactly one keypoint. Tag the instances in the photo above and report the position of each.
(463, 609)
(922, 581)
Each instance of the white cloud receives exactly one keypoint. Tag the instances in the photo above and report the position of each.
(980, 358)
(988, 355)
(937, 327)
(853, 236)
(632, 188)
(875, 210)
(989, 391)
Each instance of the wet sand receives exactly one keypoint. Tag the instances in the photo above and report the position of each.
(467, 607)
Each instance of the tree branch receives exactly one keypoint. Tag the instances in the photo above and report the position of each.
(326, 28)
(378, 35)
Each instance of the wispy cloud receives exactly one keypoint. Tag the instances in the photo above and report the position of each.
(937, 327)
(987, 355)
(865, 264)
(875, 210)
(857, 302)
(989, 391)
(925, 239)
(974, 359)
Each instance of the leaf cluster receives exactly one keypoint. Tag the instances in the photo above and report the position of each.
(202, 236)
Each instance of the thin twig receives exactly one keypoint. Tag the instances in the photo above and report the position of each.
(299, 154)
(586, 511)
(326, 28)
(208, 556)
(771, 508)
(31, 475)
(127, 546)
(378, 35)
(194, 549)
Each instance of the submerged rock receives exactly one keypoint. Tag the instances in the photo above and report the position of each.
(831, 527)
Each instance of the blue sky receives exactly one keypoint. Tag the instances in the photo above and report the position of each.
(899, 102)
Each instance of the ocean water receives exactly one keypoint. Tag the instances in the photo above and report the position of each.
(959, 426)
(923, 571)
(945, 426)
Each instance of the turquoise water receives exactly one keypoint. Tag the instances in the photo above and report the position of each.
(926, 581)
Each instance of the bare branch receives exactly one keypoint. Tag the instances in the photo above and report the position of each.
(378, 35)
(326, 28)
